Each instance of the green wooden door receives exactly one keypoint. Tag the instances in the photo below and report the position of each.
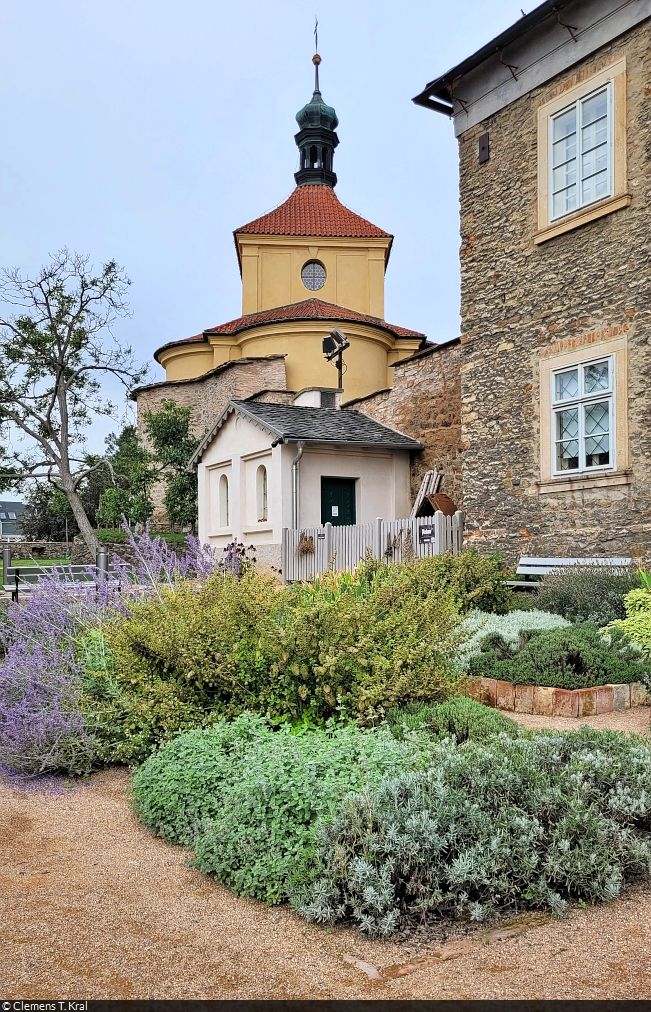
(338, 501)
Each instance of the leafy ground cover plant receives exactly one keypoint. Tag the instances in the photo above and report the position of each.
(575, 657)
(637, 624)
(586, 593)
(247, 797)
(461, 718)
(534, 821)
(479, 624)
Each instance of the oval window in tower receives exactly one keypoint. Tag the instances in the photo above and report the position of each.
(313, 275)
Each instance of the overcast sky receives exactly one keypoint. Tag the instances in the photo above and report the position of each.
(147, 131)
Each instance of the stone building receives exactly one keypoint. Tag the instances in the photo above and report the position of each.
(553, 119)
(307, 267)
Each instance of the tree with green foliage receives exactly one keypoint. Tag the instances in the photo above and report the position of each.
(170, 434)
(53, 360)
(133, 473)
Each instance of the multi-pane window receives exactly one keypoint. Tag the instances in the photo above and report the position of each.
(582, 403)
(581, 153)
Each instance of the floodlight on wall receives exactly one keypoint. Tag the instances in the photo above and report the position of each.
(334, 345)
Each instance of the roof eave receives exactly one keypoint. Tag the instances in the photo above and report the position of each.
(343, 444)
(214, 429)
(436, 95)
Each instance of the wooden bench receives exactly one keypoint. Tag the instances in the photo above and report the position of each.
(532, 568)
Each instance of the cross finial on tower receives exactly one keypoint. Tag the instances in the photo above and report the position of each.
(316, 59)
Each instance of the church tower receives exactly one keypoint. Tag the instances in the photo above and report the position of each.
(316, 139)
(309, 265)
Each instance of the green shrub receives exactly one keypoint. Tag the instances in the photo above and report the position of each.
(478, 625)
(530, 821)
(116, 536)
(380, 637)
(637, 624)
(472, 580)
(461, 718)
(247, 799)
(586, 593)
(575, 657)
(358, 641)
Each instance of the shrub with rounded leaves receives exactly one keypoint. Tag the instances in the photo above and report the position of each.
(637, 624)
(247, 798)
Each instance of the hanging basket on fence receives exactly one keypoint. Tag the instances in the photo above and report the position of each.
(305, 544)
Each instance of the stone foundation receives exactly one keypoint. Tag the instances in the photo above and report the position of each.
(550, 702)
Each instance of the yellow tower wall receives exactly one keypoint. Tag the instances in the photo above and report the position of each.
(271, 272)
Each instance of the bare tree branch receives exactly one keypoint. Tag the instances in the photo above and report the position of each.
(51, 360)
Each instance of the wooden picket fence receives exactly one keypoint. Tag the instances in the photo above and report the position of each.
(311, 551)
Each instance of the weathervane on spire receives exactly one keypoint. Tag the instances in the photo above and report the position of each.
(316, 139)
(316, 59)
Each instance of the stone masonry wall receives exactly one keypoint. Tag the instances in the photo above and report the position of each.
(207, 396)
(425, 403)
(518, 299)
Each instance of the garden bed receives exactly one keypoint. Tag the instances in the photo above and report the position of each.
(551, 702)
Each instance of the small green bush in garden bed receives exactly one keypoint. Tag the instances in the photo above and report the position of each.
(528, 821)
(353, 823)
(118, 536)
(366, 641)
(461, 718)
(586, 593)
(577, 657)
(637, 624)
(246, 798)
(478, 625)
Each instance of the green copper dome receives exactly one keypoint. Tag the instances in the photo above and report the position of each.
(316, 114)
(316, 139)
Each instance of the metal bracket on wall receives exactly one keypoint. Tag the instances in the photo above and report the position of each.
(570, 28)
(512, 66)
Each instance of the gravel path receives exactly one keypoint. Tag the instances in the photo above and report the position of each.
(93, 906)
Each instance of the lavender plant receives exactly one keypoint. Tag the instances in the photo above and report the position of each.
(45, 672)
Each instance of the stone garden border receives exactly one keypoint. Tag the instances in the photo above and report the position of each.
(550, 702)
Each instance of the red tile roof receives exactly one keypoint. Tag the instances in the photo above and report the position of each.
(317, 211)
(310, 309)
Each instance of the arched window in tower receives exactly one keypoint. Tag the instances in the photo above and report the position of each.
(224, 512)
(261, 493)
(314, 157)
(313, 275)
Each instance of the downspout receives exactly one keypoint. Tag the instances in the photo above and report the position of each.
(301, 447)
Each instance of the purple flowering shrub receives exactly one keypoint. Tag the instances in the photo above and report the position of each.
(55, 696)
(41, 725)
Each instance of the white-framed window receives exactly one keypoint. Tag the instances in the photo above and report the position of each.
(583, 417)
(261, 493)
(224, 510)
(581, 153)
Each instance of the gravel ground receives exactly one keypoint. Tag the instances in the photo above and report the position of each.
(93, 906)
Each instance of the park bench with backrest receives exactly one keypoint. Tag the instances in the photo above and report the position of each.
(532, 569)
